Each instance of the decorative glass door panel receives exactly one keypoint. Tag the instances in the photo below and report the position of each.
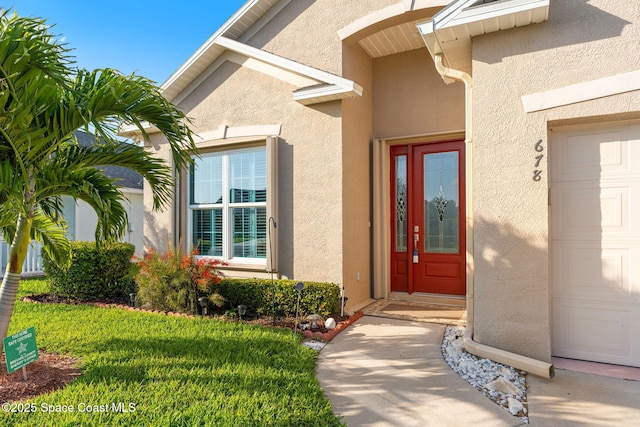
(441, 203)
(401, 203)
(399, 219)
(428, 252)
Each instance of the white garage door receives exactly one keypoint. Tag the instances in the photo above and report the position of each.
(595, 233)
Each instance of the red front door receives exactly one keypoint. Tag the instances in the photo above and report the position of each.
(428, 218)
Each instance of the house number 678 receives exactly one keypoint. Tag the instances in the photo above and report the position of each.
(537, 172)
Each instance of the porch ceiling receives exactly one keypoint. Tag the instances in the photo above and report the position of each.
(392, 40)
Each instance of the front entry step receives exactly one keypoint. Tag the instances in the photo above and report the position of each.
(431, 299)
(418, 311)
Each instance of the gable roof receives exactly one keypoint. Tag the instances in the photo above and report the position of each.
(315, 85)
(449, 32)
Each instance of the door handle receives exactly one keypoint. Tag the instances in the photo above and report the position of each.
(416, 239)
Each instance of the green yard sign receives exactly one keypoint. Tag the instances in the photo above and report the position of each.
(20, 349)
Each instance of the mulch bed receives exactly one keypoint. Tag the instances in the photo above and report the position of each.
(50, 372)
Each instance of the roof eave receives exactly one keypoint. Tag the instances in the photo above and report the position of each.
(330, 87)
(446, 32)
(132, 131)
(235, 27)
(326, 93)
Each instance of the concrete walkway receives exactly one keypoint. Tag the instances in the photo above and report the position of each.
(390, 372)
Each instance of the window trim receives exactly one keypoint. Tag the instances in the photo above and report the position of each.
(270, 144)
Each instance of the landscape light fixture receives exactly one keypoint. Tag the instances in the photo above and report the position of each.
(203, 303)
(242, 310)
(299, 288)
(132, 299)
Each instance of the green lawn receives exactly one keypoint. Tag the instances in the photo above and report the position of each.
(175, 371)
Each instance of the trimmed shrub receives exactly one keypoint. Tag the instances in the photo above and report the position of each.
(104, 272)
(174, 281)
(256, 294)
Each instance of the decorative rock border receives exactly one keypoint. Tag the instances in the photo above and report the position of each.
(328, 336)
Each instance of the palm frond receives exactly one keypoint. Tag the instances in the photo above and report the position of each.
(52, 234)
(129, 156)
(92, 186)
(116, 98)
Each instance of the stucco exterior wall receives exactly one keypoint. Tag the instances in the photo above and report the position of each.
(410, 98)
(356, 154)
(582, 41)
(307, 30)
(324, 154)
(309, 159)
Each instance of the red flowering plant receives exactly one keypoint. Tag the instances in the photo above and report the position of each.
(175, 281)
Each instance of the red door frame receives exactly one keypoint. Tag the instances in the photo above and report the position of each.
(440, 266)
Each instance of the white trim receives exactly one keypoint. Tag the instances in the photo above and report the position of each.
(132, 131)
(186, 91)
(455, 25)
(460, 16)
(252, 133)
(450, 12)
(244, 61)
(209, 57)
(226, 206)
(244, 24)
(341, 85)
(264, 20)
(129, 190)
(580, 92)
(368, 20)
(385, 14)
(494, 10)
(208, 44)
(270, 70)
(306, 78)
(328, 92)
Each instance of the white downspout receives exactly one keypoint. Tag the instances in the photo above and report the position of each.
(528, 364)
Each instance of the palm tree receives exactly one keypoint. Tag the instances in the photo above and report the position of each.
(44, 99)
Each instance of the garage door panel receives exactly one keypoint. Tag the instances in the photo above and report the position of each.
(585, 271)
(591, 211)
(583, 156)
(595, 243)
(588, 331)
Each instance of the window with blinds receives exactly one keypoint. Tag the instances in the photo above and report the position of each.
(228, 205)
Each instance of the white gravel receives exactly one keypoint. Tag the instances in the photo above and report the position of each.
(503, 384)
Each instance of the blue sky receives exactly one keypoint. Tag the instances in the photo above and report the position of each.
(151, 37)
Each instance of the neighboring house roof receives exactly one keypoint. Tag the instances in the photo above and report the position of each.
(126, 177)
(449, 32)
(314, 85)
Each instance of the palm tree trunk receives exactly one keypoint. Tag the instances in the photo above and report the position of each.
(11, 280)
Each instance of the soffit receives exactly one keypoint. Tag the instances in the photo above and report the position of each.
(396, 39)
(244, 20)
(450, 31)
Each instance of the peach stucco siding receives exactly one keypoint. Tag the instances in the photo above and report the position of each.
(309, 174)
(333, 157)
(324, 150)
(307, 30)
(411, 99)
(582, 41)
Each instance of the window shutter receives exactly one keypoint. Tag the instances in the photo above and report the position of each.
(272, 203)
